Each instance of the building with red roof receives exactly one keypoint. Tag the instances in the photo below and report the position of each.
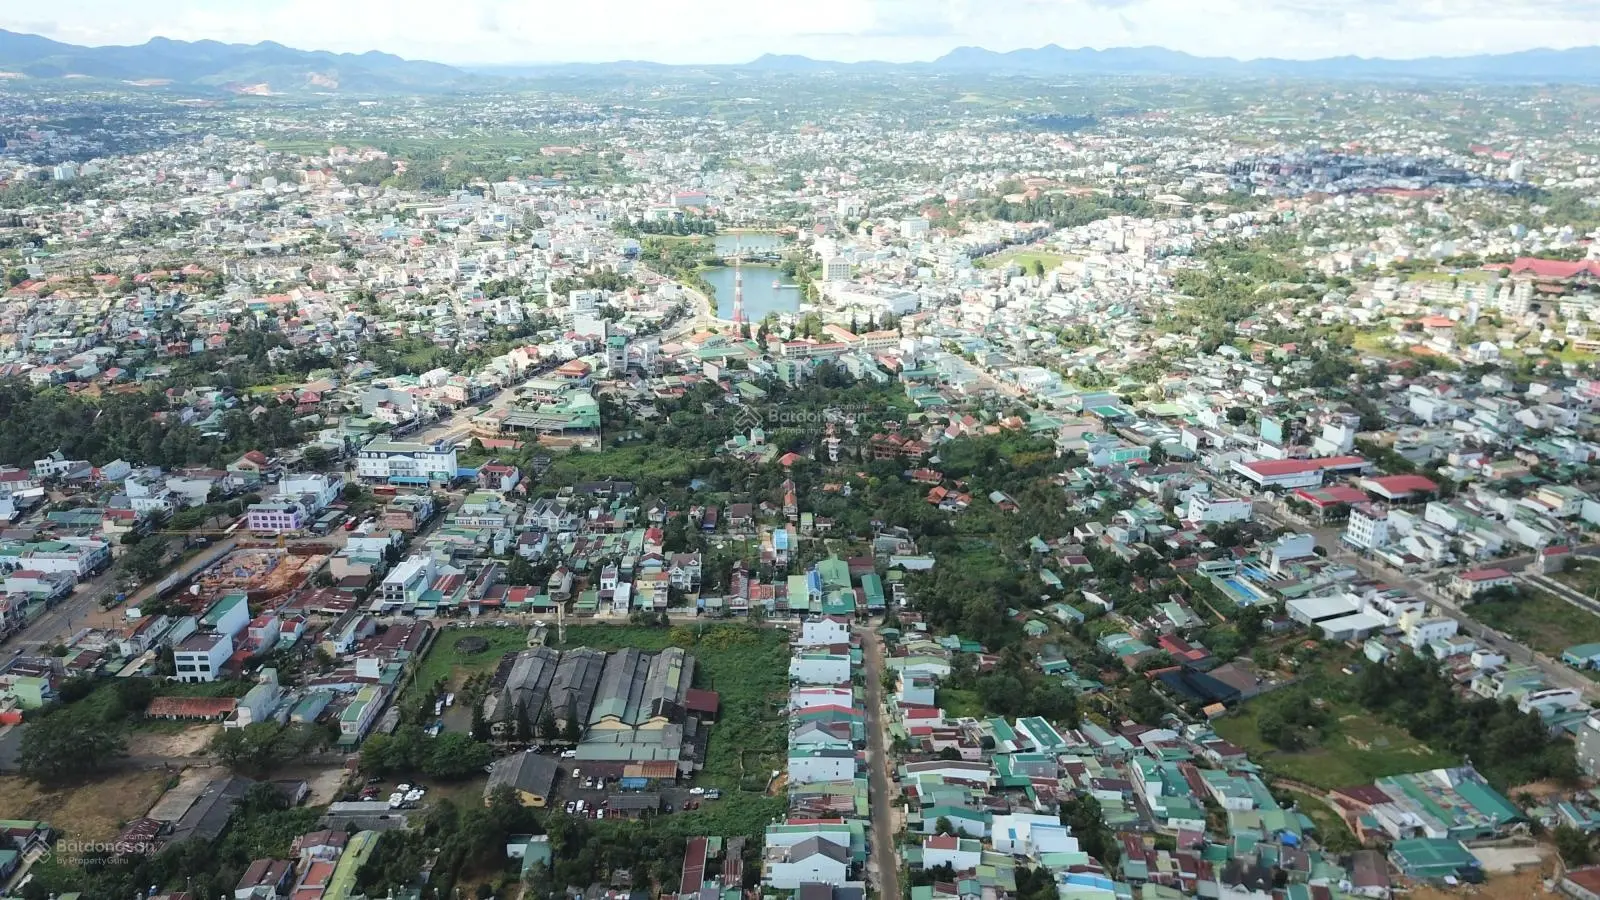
(1399, 487)
(1556, 269)
(1297, 473)
(1480, 581)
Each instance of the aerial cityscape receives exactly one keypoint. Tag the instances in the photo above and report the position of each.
(884, 450)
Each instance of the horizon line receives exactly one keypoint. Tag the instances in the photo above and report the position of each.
(484, 66)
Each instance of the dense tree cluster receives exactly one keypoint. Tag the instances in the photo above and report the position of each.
(1508, 746)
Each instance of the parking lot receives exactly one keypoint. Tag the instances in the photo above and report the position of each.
(593, 791)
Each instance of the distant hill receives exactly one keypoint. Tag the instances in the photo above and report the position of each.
(212, 64)
(1577, 65)
(272, 67)
(1580, 65)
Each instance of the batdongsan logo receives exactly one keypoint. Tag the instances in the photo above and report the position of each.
(748, 418)
(783, 417)
(68, 852)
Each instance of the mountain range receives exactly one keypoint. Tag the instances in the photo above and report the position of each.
(275, 68)
(238, 67)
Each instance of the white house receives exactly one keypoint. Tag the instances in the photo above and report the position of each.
(1218, 510)
(1368, 527)
(1030, 834)
(811, 861)
(314, 490)
(824, 631)
(201, 656)
(960, 854)
(821, 764)
(1479, 581)
(819, 668)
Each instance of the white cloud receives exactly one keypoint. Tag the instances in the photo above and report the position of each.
(507, 31)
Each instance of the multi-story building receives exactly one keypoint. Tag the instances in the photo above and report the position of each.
(407, 582)
(403, 462)
(201, 657)
(275, 518)
(1368, 527)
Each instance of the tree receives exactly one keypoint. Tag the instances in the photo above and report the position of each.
(147, 558)
(520, 572)
(1575, 847)
(229, 747)
(524, 725)
(548, 729)
(1087, 821)
(453, 755)
(69, 745)
(572, 729)
(480, 729)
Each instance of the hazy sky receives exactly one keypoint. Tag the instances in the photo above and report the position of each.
(716, 31)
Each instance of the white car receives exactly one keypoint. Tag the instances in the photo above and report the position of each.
(395, 800)
(697, 791)
(402, 788)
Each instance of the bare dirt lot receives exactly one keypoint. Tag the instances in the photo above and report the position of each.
(1525, 886)
(174, 746)
(95, 811)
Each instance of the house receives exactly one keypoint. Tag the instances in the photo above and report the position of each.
(960, 854)
(810, 861)
(275, 517)
(531, 776)
(201, 657)
(265, 879)
(1480, 581)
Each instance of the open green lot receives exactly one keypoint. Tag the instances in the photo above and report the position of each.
(1541, 620)
(1332, 832)
(746, 666)
(1023, 258)
(1356, 749)
(959, 704)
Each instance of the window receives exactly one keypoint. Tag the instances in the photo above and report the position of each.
(186, 668)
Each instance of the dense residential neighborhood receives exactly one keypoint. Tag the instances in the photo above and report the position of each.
(777, 481)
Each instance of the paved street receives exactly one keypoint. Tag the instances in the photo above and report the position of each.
(1328, 538)
(884, 861)
(58, 624)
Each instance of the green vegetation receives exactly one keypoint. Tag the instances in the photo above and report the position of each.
(1033, 262)
(1345, 747)
(262, 827)
(745, 665)
(1332, 832)
(1539, 619)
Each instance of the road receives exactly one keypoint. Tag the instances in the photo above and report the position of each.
(57, 624)
(1555, 671)
(884, 861)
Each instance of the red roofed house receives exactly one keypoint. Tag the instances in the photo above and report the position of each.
(1399, 487)
(1480, 581)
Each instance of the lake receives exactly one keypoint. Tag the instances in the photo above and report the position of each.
(728, 244)
(760, 297)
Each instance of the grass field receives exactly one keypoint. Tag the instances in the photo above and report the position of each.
(1356, 750)
(747, 667)
(1542, 621)
(1332, 832)
(960, 703)
(1023, 258)
(93, 811)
